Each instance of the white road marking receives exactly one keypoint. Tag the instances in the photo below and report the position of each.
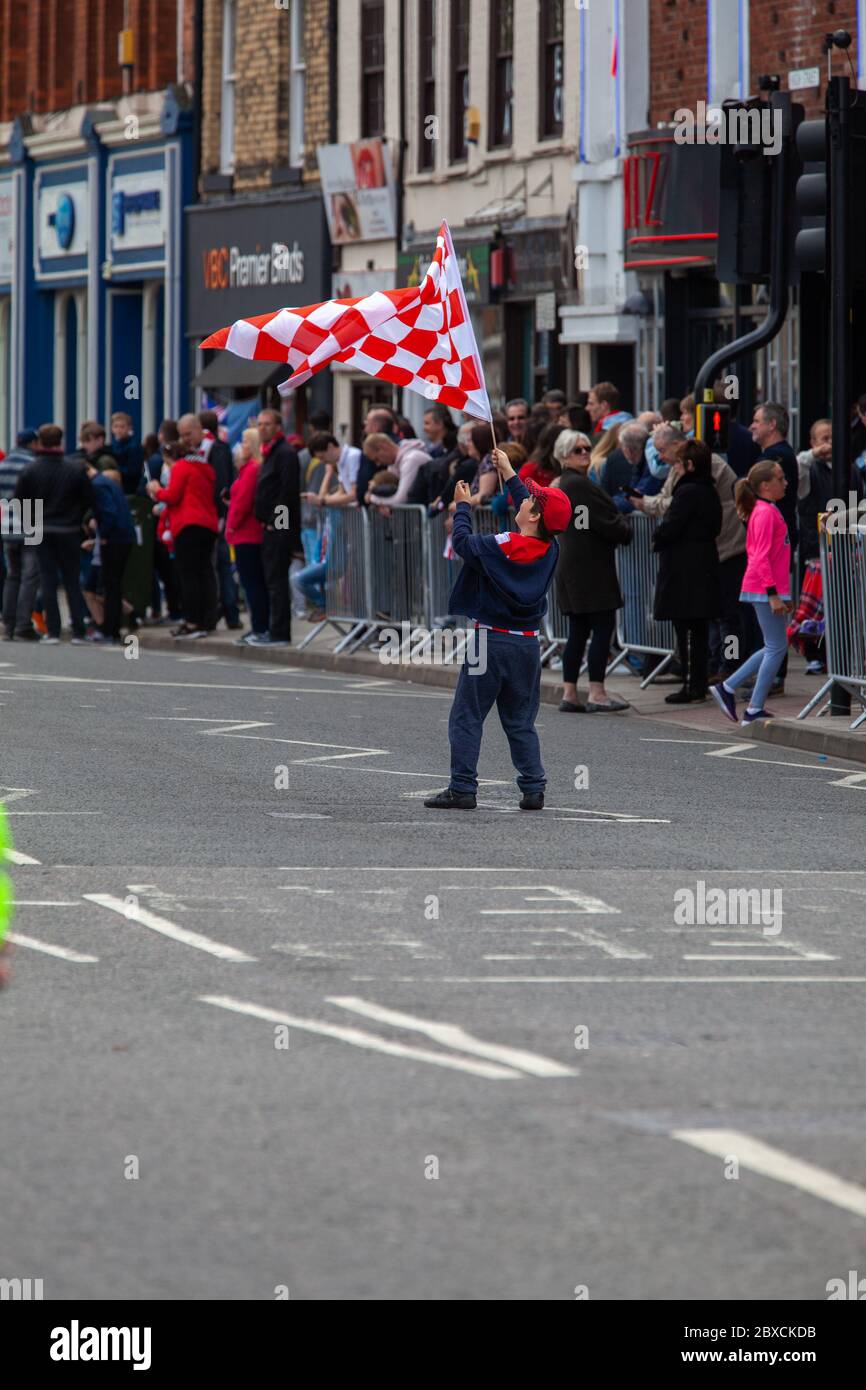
(452, 1035)
(357, 1038)
(775, 1163)
(577, 903)
(210, 685)
(731, 749)
(46, 902)
(46, 949)
(633, 979)
(854, 779)
(166, 928)
(297, 815)
(10, 794)
(588, 936)
(16, 856)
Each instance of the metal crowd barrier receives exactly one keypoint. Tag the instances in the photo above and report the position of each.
(636, 628)
(843, 579)
(395, 570)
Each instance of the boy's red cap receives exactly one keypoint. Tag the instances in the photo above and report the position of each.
(553, 504)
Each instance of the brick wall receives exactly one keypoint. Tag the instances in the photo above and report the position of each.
(678, 56)
(783, 35)
(262, 90)
(60, 53)
(788, 34)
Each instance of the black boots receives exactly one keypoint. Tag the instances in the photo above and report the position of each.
(450, 800)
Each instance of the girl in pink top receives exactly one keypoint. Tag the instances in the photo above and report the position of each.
(766, 585)
(244, 532)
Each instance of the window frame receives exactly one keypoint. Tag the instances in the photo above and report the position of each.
(228, 80)
(498, 138)
(373, 74)
(297, 84)
(550, 129)
(427, 54)
(458, 146)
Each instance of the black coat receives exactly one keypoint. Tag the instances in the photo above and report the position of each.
(687, 588)
(279, 485)
(220, 460)
(821, 489)
(586, 580)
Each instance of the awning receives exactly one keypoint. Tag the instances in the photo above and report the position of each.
(229, 371)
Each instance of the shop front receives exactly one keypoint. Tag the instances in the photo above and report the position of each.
(245, 258)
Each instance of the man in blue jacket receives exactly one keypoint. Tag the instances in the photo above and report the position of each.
(116, 531)
(503, 585)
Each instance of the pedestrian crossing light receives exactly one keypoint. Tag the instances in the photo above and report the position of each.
(712, 422)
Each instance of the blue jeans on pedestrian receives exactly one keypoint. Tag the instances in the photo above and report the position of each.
(510, 679)
(228, 589)
(310, 581)
(764, 663)
(311, 543)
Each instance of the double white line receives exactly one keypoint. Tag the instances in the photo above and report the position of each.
(503, 1064)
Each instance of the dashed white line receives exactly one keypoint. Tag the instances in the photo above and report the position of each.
(47, 949)
(775, 1163)
(16, 856)
(166, 928)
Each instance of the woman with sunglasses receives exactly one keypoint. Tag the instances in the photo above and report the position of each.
(587, 588)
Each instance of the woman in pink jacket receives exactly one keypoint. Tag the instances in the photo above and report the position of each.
(766, 585)
(244, 532)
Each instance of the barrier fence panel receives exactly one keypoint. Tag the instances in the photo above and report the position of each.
(636, 628)
(348, 597)
(399, 566)
(843, 579)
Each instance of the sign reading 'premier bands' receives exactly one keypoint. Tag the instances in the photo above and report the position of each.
(228, 268)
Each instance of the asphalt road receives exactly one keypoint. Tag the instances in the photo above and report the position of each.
(513, 1070)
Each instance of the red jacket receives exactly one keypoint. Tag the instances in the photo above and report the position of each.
(242, 527)
(190, 496)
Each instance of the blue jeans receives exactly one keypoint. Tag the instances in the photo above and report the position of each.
(310, 581)
(228, 589)
(764, 663)
(311, 542)
(512, 681)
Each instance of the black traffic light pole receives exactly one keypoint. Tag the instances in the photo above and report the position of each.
(766, 331)
(839, 160)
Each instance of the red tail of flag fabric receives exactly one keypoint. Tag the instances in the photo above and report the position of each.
(420, 337)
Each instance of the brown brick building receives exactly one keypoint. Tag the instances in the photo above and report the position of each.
(258, 238)
(60, 53)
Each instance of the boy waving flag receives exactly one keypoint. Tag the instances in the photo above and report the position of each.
(503, 585)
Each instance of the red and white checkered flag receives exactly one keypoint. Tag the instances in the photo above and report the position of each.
(420, 337)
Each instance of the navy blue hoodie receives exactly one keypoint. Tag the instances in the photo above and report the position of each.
(505, 578)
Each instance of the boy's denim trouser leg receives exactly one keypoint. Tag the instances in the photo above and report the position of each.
(511, 681)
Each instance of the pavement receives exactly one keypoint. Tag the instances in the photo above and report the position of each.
(274, 1029)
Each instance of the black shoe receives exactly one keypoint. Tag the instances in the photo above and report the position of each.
(532, 801)
(571, 707)
(450, 800)
(678, 697)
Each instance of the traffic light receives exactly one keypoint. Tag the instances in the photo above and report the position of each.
(812, 196)
(712, 423)
(745, 202)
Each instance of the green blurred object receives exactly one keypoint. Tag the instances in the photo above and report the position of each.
(5, 880)
(138, 575)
